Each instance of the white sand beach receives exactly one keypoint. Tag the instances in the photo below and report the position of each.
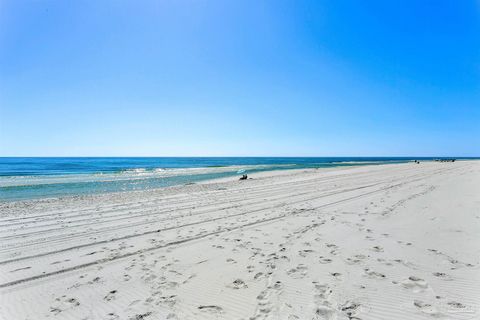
(397, 241)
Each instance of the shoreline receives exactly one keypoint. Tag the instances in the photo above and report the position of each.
(233, 177)
(76, 176)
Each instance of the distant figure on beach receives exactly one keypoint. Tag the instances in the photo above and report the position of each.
(244, 177)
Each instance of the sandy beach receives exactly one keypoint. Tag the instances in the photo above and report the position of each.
(397, 241)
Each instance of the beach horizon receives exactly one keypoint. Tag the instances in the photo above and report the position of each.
(23, 178)
(286, 244)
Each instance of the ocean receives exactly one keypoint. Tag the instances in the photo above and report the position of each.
(33, 178)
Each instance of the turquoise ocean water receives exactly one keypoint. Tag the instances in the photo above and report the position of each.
(32, 178)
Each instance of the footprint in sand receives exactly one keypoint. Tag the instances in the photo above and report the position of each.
(305, 252)
(415, 284)
(140, 316)
(264, 306)
(64, 305)
(74, 302)
(211, 309)
(373, 274)
(442, 275)
(94, 280)
(350, 309)
(277, 285)
(323, 309)
(356, 259)
(298, 272)
(55, 310)
(110, 296)
(324, 260)
(322, 291)
(250, 268)
(167, 300)
(426, 308)
(385, 262)
(112, 316)
(331, 245)
(324, 312)
(455, 304)
(238, 284)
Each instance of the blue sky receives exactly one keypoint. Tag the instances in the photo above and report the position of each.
(239, 78)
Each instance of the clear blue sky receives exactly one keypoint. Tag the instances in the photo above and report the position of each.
(239, 78)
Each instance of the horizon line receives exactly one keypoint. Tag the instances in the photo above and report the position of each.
(276, 156)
